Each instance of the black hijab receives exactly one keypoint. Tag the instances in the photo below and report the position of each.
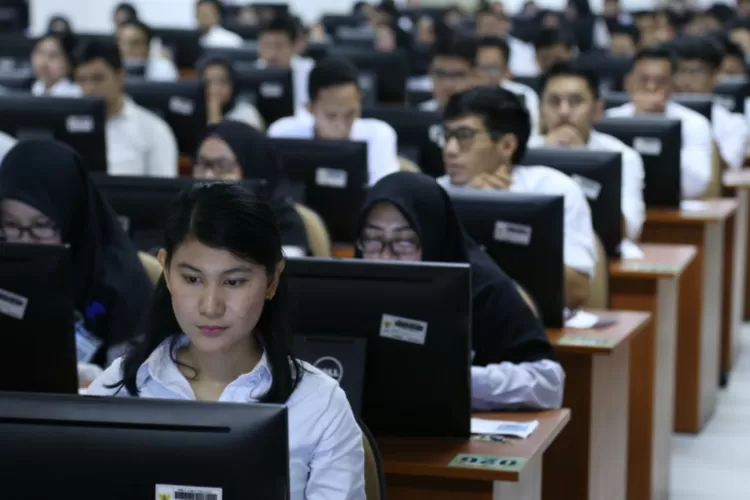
(231, 76)
(503, 326)
(111, 289)
(256, 157)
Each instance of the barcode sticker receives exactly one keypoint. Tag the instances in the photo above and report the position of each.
(172, 492)
(331, 177)
(590, 187)
(79, 124)
(181, 106)
(271, 90)
(12, 304)
(650, 146)
(509, 232)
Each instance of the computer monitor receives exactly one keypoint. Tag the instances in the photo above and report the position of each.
(183, 44)
(523, 233)
(141, 203)
(609, 68)
(414, 320)
(17, 80)
(418, 134)
(330, 177)
(354, 38)
(415, 97)
(127, 448)
(15, 50)
(697, 102)
(270, 89)
(659, 142)
(332, 22)
(732, 93)
(245, 31)
(36, 319)
(241, 58)
(599, 174)
(391, 69)
(530, 81)
(78, 122)
(182, 104)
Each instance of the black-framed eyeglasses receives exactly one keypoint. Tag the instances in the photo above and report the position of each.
(465, 136)
(37, 232)
(398, 247)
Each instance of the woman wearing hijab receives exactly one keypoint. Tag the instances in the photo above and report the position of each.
(232, 151)
(409, 217)
(222, 95)
(52, 64)
(59, 25)
(47, 197)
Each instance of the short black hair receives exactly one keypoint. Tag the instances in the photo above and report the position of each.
(218, 5)
(495, 42)
(660, 52)
(628, 30)
(459, 47)
(700, 48)
(554, 36)
(129, 8)
(570, 69)
(94, 49)
(487, 10)
(329, 72)
(501, 111)
(281, 24)
(136, 23)
(731, 49)
(739, 24)
(721, 12)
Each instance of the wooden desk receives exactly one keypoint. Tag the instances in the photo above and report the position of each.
(588, 461)
(651, 284)
(343, 251)
(420, 468)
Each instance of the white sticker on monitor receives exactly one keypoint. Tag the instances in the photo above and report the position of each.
(590, 187)
(404, 329)
(12, 304)
(172, 492)
(436, 134)
(271, 90)
(509, 232)
(647, 145)
(79, 124)
(331, 177)
(181, 106)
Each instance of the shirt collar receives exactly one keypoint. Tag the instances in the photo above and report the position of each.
(128, 107)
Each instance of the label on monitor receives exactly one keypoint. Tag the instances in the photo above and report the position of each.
(79, 124)
(436, 134)
(510, 232)
(181, 106)
(271, 90)
(650, 146)
(172, 492)
(331, 177)
(12, 304)
(404, 329)
(590, 187)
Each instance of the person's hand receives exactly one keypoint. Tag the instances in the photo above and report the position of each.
(214, 111)
(499, 179)
(649, 102)
(566, 135)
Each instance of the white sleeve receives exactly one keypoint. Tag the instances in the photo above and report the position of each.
(110, 376)
(633, 206)
(696, 157)
(382, 153)
(731, 136)
(579, 242)
(162, 70)
(247, 113)
(505, 386)
(532, 104)
(162, 157)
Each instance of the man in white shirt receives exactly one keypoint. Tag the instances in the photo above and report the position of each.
(208, 15)
(335, 108)
(698, 63)
(138, 142)
(486, 130)
(134, 42)
(553, 45)
(570, 106)
(452, 70)
(495, 23)
(649, 85)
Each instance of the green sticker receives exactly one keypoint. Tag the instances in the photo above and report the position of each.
(471, 461)
(586, 341)
(650, 268)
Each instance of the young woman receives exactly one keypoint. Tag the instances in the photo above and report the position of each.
(218, 332)
(232, 151)
(59, 25)
(408, 216)
(52, 64)
(46, 196)
(222, 96)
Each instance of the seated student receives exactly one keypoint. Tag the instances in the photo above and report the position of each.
(336, 106)
(452, 70)
(47, 197)
(209, 15)
(492, 22)
(217, 331)
(138, 141)
(698, 63)
(553, 45)
(59, 25)
(570, 106)
(52, 64)
(409, 217)
(232, 151)
(649, 85)
(134, 40)
(222, 95)
(733, 62)
(486, 130)
(624, 40)
(124, 12)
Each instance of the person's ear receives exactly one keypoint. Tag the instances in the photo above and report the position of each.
(273, 284)
(162, 258)
(598, 109)
(507, 145)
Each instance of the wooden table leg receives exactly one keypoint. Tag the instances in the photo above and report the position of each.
(529, 487)
(421, 488)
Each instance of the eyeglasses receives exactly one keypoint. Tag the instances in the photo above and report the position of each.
(219, 167)
(37, 232)
(464, 135)
(439, 74)
(491, 70)
(397, 247)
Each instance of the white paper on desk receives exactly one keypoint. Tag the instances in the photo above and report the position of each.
(630, 251)
(582, 320)
(692, 205)
(520, 430)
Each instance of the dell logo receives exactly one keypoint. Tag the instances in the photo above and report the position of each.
(331, 367)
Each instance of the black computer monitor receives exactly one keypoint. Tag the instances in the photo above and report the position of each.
(78, 122)
(332, 22)
(418, 134)
(732, 93)
(141, 203)
(241, 58)
(17, 80)
(245, 31)
(697, 102)
(399, 322)
(659, 142)
(599, 174)
(36, 319)
(530, 81)
(127, 448)
(523, 233)
(182, 104)
(270, 89)
(15, 50)
(184, 45)
(415, 97)
(390, 68)
(611, 69)
(330, 177)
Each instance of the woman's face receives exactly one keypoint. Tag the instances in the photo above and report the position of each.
(216, 161)
(49, 62)
(22, 223)
(387, 235)
(217, 297)
(59, 26)
(218, 84)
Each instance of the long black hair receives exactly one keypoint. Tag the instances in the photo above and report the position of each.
(226, 216)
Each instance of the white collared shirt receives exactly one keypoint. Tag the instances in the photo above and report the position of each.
(6, 144)
(326, 456)
(382, 151)
(731, 135)
(696, 156)
(246, 113)
(220, 37)
(522, 58)
(160, 69)
(632, 204)
(62, 88)
(139, 143)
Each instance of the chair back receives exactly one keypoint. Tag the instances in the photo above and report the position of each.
(151, 266)
(599, 288)
(406, 165)
(374, 474)
(317, 233)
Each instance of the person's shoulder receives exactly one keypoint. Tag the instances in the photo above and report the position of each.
(373, 128)
(611, 143)
(517, 87)
(543, 179)
(111, 376)
(291, 126)
(626, 109)
(316, 390)
(691, 118)
(147, 117)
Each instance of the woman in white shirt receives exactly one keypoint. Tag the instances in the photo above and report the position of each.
(222, 96)
(217, 332)
(52, 63)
